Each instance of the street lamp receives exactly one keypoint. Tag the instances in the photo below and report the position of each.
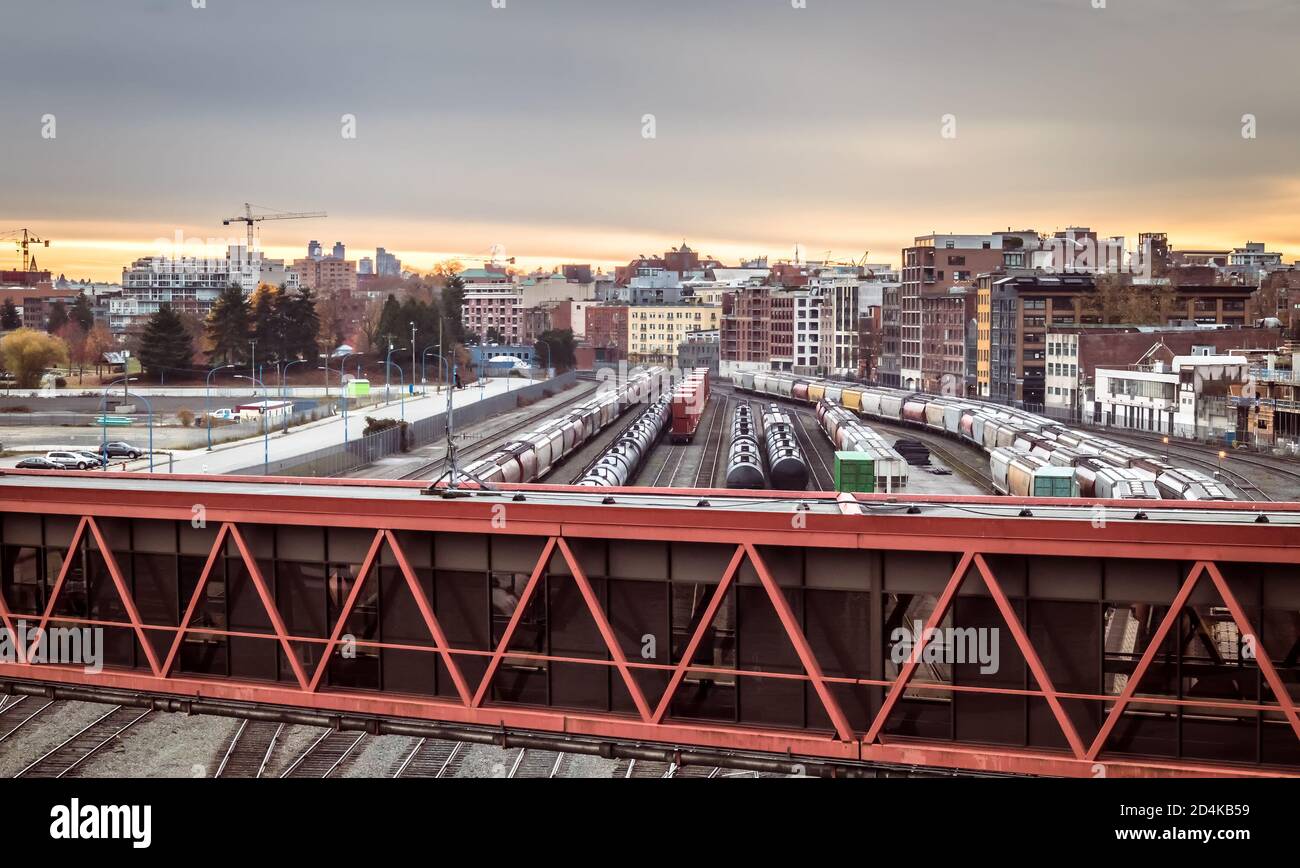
(424, 374)
(544, 342)
(103, 426)
(207, 390)
(343, 392)
(401, 388)
(148, 406)
(284, 373)
(412, 325)
(388, 363)
(266, 435)
(284, 395)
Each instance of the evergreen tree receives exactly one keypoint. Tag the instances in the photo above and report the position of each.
(58, 317)
(9, 318)
(453, 301)
(391, 324)
(228, 327)
(82, 314)
(556, 348)
(166, 345)
(267, 308)
(302, 325)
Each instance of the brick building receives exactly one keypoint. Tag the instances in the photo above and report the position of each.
(327, 275)
(932, 267)
(1074, 354)
(607, 331)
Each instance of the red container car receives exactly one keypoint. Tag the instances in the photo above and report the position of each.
(689, 399)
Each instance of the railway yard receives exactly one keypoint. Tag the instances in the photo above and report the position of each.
(42, 737)
(59, 739)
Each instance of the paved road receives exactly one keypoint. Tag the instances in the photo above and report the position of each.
(306, 438)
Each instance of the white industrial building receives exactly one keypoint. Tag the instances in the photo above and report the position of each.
(1186, 397)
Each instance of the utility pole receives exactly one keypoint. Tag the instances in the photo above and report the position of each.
(451, 438)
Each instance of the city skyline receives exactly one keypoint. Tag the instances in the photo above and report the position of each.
(525, 127)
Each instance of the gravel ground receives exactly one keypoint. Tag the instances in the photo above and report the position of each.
(380, 756)
(588, 767)
(165, 745)
(293, 741)
(56, 724)
(486, 761)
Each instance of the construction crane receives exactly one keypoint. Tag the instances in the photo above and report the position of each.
(249, 218)
(25, 239)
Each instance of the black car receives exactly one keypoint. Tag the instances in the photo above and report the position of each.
(120, 449)
(38, 463)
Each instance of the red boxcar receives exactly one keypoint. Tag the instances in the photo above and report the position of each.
(688, 402)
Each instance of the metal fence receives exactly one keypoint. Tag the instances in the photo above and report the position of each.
(342, 458)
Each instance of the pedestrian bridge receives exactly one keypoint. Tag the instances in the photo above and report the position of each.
(983, 634)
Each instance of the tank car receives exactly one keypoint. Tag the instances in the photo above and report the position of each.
(744, 460)
(787, 467)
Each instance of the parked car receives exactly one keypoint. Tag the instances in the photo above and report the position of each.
(98, 459)
(225, 413)
(73, 460)
(38, 463)
(121, 449)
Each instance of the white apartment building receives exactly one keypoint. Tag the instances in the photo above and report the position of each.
(805, 355)
(191, 284)
(1061, 375)
(656, 330)
(1188, 397)
(496, 300)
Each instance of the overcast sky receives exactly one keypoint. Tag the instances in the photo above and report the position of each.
(522, 126)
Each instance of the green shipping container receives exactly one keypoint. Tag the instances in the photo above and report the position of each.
(1049, 484)
(855, 471)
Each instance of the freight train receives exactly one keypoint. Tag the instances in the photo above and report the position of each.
(533, 454)
(745, 461)
(786, 464)
(992, 427)
(850, 435)
(619, 463)
(689, 399)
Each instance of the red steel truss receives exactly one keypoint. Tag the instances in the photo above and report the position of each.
(1204, 544)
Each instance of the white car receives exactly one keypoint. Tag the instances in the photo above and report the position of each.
(72, 460)
(225, 413)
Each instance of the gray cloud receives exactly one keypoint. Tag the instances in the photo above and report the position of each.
(802, 124)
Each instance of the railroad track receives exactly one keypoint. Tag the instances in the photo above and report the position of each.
(432, 758)
(536, 764)
(973, 474)
(328, 755)
(486, 445)
(250, 749)
(708, 469)
(1207, 457)
(68, 758)
(679, 451)
(20, 712)
(823, 479)
(1246, 486)
(633, 768)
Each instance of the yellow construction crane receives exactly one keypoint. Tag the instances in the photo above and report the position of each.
(249, 218)
(25, 240)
